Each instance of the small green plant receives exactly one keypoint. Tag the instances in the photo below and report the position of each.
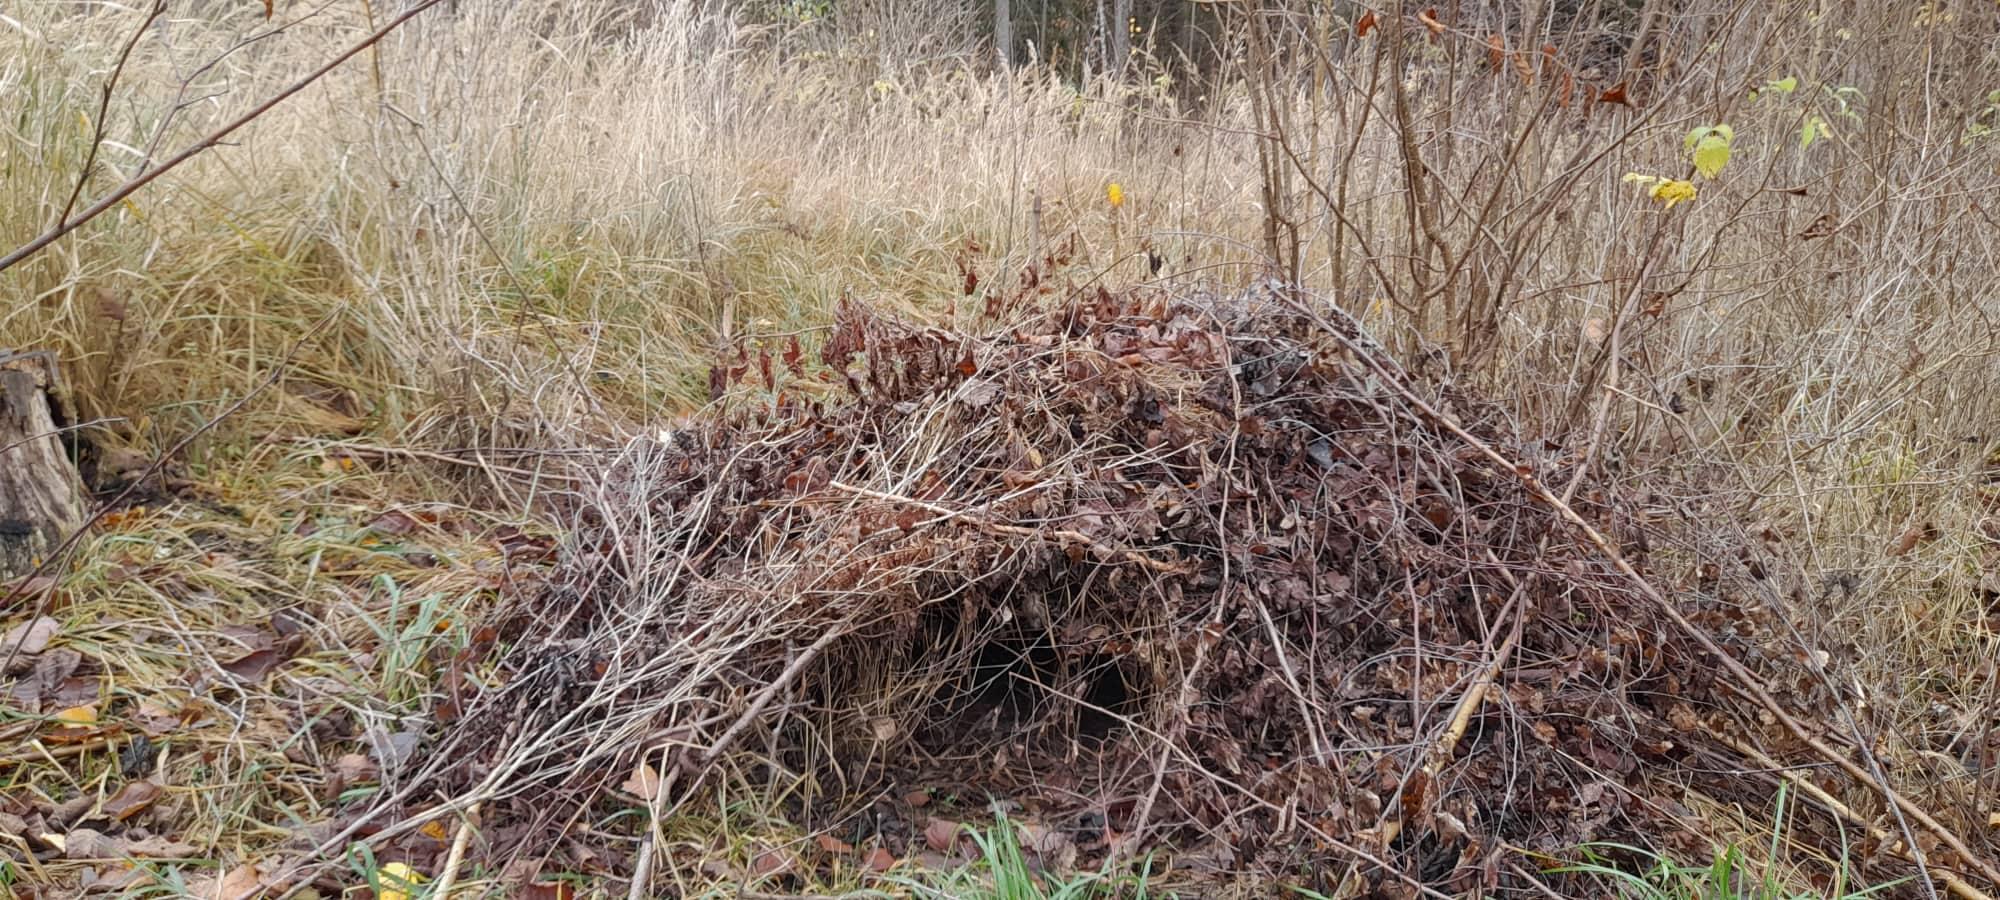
(1002, 872)
(1982, 123)
(1727, 877)
(1839, 102)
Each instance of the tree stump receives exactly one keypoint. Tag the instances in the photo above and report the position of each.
(41, 495)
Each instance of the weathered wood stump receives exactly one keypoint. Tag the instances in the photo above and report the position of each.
(41, 496)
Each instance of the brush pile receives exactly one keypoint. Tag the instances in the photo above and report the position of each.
(1189, 545)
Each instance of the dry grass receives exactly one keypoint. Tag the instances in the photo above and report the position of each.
(532, 223)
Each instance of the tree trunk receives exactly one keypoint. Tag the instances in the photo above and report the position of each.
(1003, 31)
(1120, 44)
(41, 497)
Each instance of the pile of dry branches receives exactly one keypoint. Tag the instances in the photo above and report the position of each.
(1289, 602)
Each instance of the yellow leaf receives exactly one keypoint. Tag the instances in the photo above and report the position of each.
(1710, 146)
(1115, 193)
(397, 881)
(1711, 155)
(1631, 177)
(1670, 192)
(78, 715)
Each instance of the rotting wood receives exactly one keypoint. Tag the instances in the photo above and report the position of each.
(41, 495)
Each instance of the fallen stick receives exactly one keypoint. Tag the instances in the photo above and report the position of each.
(1355, 339)
(1075, 537)
(456, 857)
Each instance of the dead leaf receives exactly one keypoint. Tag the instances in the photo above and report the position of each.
(773, 862)
(240, 883)
(547, 890)
(76, 724)
(348, 770)
(392, 751)
(254, 666)
(1615, 94)
(917, 799)
(26, 588)
(114, 878)
(644, 783)
(879, 860)
(85, 843)
(1364, 24)
(1430, 19)
(941, 834)
(394, 523)
(832, 844)
(1825, 225)
(1916, 534)
(28, 639)
(1053, 846)
(132, 799)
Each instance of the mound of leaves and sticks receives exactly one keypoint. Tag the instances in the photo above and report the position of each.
(1209, 575)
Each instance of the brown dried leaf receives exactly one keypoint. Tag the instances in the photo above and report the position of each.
(1917, 534)
(832, 844)
(643, 783)
(941, 834)
(28, 639)
(132, 799)
(772, 862)
(1413, 795)
(85, 843)
(355, 768)
(254, 666)
(393, 751)
(394, 523)
(917, 799)
(1821, 227)
(240, 883)
(879, 860)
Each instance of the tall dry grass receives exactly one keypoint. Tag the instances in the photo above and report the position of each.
(531, 224)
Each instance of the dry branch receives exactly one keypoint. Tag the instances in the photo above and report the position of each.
(1352, 336)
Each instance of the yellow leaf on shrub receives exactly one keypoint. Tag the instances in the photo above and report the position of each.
(1711, 155)
(1710, 146)
(1115, 193)
(1671, 192)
